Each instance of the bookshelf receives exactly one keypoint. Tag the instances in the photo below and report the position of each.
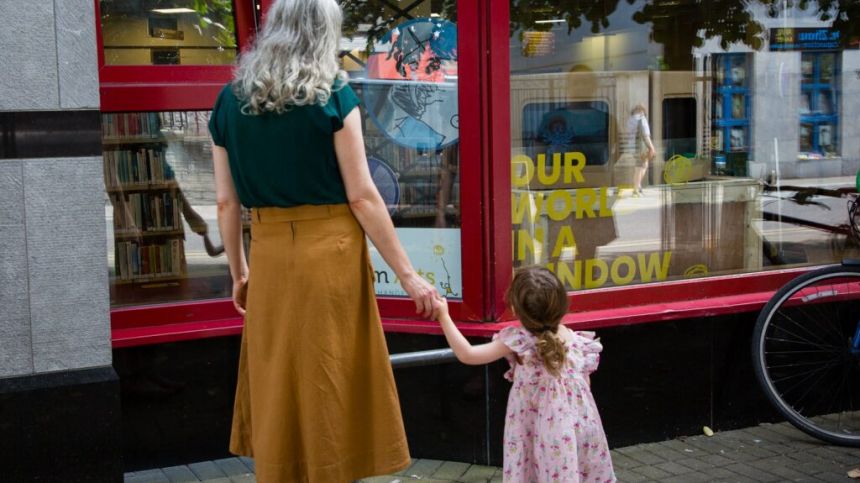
(149, 239)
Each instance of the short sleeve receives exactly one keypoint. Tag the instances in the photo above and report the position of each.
(590, 348)
(519, 341)
(344, 100)
(646, 131)
(217, 120)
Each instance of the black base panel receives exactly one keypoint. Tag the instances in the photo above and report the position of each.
(61, 427)
(655, 382)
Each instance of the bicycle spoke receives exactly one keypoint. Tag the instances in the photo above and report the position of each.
(800, 364)
(799, 352)
(803, 327)
(803, 353)
(775, 381)
(792, 341)
(804, 339)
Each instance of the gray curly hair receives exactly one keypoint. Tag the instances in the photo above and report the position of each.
(294, 59)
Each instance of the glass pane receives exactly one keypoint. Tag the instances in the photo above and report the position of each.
(162, 231)
(749, 115)
(168, 32)
(402, 62)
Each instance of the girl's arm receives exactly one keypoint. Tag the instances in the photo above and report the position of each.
(230, 225)
(466, 352)
(370, 211)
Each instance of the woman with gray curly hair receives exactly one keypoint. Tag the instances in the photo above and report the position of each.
(315, 399)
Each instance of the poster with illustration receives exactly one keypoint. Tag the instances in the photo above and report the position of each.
(435, 254)
(411, 88)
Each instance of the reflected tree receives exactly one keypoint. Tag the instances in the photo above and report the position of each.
(218, 15)
(843, 14)
(373, 19)
(526, 13)
(681, 24)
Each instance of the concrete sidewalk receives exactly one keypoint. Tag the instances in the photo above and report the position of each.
(769, 452)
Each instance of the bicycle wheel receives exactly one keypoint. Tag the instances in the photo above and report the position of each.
(804, 353)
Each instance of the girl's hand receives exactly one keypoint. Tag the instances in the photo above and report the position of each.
(422, 293)
(440, 306)
(240, 294)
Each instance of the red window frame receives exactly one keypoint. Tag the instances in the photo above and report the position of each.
(486, 247)
(605, 306)
(163, 88)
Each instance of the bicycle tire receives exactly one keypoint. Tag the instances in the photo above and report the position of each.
(776, 329)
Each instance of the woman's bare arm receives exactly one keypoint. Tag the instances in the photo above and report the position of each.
(370, 211)
(230, 225)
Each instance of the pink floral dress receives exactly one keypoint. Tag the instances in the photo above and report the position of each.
(553, 432)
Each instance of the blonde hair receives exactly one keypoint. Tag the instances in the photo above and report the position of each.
(294, 60)
(639, 108)
(538, 298)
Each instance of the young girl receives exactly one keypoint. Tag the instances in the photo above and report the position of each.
(552, 430)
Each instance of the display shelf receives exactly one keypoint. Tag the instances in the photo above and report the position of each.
(128, 188)
(123, 235)
(113, 142)
(149, 239)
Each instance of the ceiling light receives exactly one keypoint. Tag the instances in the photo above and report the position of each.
(173, 10)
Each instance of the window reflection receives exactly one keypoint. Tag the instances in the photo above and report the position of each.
(401, 58)
(159, 32)
(161, 213)
(748, 105)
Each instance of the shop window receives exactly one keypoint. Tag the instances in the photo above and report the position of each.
(819, 105)
(153, 32)
(161, 216)
(731, 113)
(726, 191)
(403, 65)
(679, 127)
(563, 127)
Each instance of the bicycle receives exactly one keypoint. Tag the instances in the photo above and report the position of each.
(806, 352)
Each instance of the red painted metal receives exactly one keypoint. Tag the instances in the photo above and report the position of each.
(472, 185)
(656, 312)
(497, 221)
(160, 87)
(485, 207)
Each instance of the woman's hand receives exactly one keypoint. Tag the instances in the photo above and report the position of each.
(422, 293)
(240, 294)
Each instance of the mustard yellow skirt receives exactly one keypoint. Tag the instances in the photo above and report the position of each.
(315, 400)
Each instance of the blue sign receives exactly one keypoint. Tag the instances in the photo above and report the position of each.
(791, 39)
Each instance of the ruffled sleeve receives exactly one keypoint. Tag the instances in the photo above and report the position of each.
(520, 342)
(590, 348)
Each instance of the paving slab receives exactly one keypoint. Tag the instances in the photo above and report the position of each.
(769, 452)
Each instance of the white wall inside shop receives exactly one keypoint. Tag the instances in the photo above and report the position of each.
(850, 112)
(775, 103)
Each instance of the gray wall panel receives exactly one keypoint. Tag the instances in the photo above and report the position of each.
(16, 356)
(77, 62)
(67, 262)
(29, 56)
(11, 193)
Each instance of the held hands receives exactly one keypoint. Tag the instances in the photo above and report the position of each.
(440, 309)
(422, 293)
(240, 294)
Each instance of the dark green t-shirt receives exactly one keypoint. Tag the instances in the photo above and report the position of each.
(283, 159)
